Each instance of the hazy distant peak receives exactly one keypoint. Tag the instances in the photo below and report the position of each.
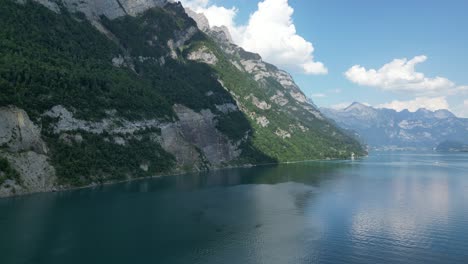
(423, 110)
(360, 107)
(443, 113)
(387, 128)
(357, 106)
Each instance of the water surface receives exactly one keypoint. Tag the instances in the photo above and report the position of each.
(388, 208)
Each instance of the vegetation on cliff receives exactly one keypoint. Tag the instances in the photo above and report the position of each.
(140, 71)
(7, 172)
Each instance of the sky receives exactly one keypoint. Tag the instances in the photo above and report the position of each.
(399, 54)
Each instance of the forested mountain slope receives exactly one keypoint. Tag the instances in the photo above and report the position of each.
(97, 91)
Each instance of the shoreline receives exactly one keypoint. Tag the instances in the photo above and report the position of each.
(108, 183)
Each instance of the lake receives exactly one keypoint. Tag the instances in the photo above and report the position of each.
(386, 208)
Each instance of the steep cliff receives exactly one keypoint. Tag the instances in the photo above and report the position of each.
(24, 154)
(98, 91)
(286, 125)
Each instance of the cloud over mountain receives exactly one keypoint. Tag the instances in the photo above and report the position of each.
(433, 104)
(400, 75)
(270, 32)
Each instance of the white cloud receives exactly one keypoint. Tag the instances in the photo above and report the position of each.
(400, 75)
(462, 109)
(216, 15)
(270, 32)
(435, 103)
(318, 95)
(463, 89)
(194, 4)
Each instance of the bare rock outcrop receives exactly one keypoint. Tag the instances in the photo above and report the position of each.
(109, 8)
(22, 146)
(194, 139)
(18, 133)
(200, 129)
(202, 22)
(203, 55)
(288, 95)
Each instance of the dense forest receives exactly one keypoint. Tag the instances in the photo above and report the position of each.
(49, 59)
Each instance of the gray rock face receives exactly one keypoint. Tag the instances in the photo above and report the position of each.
(259, 104)
(109, 8)
(18, 133)
(35, 171)
(253, 64)
(22, 146)
(202, 22)
(200, 130)
(134, 7)
(194, 140)
(173, 141)
(227, 108)
(222, 33)
(93, 9)
(262, 121)
(113, 125)
(180, 38)
(203, 55)
(191, 139)
(279, 99)
(282, 134)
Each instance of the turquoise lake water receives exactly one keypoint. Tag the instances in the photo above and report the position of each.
(387, 208)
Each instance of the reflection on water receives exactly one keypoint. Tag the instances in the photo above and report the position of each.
(388, 208)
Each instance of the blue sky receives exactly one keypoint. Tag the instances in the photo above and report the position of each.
(372, 34)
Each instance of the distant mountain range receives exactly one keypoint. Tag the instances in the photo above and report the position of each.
(389, 129)
(452, 146)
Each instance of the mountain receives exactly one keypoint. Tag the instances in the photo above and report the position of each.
(100, 91)
(452, 146)
(389, 129)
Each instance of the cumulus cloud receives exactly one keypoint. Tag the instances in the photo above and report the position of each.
(400, 75)
(270, 32)
(463, 89)
(461, 110)
(464, 110)
(434, 103)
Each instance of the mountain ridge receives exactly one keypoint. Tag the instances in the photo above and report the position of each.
(385, 128)
(139, 92)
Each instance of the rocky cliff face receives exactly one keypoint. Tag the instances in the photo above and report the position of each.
(109, 8)
(272, 95)
(191, 137)
(288, 96)
(193, 140)
(135, 89)
(21, 145)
